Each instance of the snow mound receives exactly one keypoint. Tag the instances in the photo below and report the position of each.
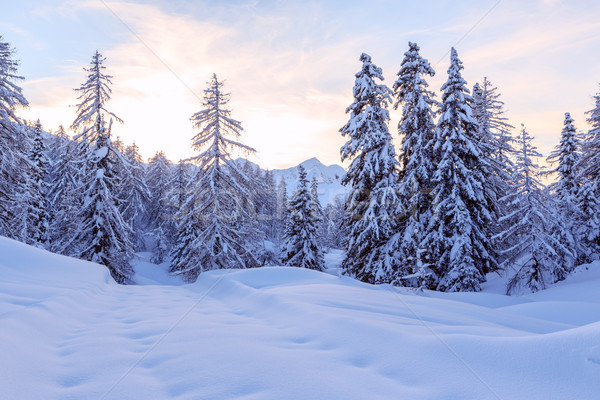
(67, 331)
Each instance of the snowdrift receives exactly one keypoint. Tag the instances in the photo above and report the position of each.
(67, 331)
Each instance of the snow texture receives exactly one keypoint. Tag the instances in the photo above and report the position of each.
(69, 331)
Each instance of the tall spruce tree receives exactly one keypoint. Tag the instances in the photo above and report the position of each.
(38, 216)
(495, 139)
(417, 159)
(159, 225)
(586, 230)
(63, 191)
(566, 155)
(590, 159)
(537, 256)
(300, 247)
(588, 206)
(134, 195)
(372, 177)
(102, 235)
(566, 189)
(282, 205)
(13, 143)
(458, 253)
(225, 236)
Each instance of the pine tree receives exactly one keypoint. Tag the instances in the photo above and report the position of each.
(13, 143)
(566, 190)
(38, 218)
(134, 195)
(417, 160)
(300, 247)
(63, 191)
(372, 205)
(496, 144)
(282, 206)
(158, 176)
(102, 235)
(319, 214)
(269, 208)
(586, 229)
(458, 254)
(494, 129)
(225, 236)
(538, 257)
(590, 160)
(566, 154)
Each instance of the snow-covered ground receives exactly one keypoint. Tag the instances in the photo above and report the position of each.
(67, 331)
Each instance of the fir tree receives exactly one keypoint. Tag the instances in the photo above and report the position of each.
(566, 155)
(225, 237)
(590, 160)
(282, 205)
(102, 235)
(38, 223)
(134, 195)
(319, 214)
(566, 190)
(13, 143)
(494, 129)
(372, 205)
(63, 191)
(300, 247)
(586, 229)
(417, 160)
(158, 176)
(538, 257)
(495, 140)
(458, 254)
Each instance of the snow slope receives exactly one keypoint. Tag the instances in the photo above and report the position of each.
(67, 331)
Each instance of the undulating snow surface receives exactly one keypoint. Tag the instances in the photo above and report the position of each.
(67, 331)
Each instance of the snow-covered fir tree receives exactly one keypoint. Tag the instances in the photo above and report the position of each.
(457, 252)
(494, 129)
(13, 155)
(282, 205)
(134, 195)
(38, 216)
(496, 140)
(590, 159)
(372, 205)
(300, 247)
(159, 209)
(336, 236)
(586, 229)
(319, 213)
(566, 155)
(417, 159)
(102, 235)
(225, 236)
(269, 209)
(566, 189)
(63, 195)
(538, 258)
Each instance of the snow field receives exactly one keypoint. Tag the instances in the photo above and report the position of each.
(67, 331)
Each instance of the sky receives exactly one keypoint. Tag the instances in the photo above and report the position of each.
(290, 65)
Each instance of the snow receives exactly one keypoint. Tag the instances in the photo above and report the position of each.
(68, 331)
(329, 179)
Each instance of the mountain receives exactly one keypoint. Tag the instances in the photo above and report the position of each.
(329, 178)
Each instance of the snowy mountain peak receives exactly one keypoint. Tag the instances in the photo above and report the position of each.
(328, 177)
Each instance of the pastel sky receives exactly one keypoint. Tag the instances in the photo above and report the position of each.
(290, 65)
